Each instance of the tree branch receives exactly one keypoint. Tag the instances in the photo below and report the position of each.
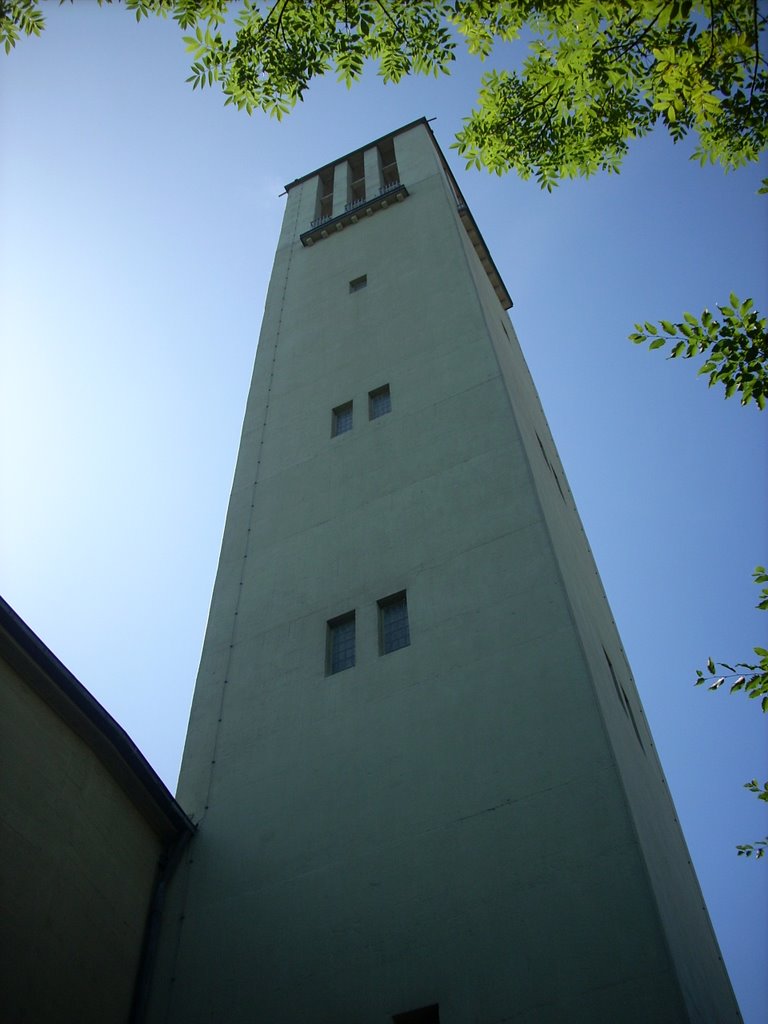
(278, 3)
(279, 25)
(639, 38)
(711, 31)
(757, 55)
(389, 17)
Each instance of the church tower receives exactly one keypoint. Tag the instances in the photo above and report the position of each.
(424, 785)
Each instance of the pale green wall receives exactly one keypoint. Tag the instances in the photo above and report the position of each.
(678, 896)
(446, 823)
(78, 867)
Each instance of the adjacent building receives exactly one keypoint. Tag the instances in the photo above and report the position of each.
(88, 837)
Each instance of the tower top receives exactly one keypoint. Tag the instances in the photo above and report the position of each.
(339, 203)
(360, 149)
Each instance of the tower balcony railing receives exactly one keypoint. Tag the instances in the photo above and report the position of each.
(322, 227)
(354, 203)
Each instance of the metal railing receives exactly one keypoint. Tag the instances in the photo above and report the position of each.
(320, 227)
(353, 203)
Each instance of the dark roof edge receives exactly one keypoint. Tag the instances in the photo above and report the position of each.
(59, 688)
(506, 301)
(368, 145)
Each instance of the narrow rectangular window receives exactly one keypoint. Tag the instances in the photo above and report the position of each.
(615, 680)
(425, 1015)
(325, 194)
(356, 179)
(340, 644)
(621, 693)
(341, 419)
(379, 402)
(389, 172)
(358, 283)
(552, 471)
(393, 623)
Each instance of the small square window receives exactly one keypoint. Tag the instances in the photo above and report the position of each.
(394, 632)
(379, 402)
(425, 1015)
(342, 419)
(340, 645)
(358, 283)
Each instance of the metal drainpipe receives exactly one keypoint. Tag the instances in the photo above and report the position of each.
(165, 868)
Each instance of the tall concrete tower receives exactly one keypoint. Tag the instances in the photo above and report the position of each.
(424, 785)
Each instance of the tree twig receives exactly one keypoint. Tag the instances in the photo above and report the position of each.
(757, 55)
(400, 32)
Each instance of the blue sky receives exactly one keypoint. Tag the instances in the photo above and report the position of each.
(138, 222)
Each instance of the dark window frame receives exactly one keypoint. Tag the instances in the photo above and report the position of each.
(376, 411)
(339, 422)
(390, 175)
(337, 644)
(324, 208)
(356, 187)
(394, 634)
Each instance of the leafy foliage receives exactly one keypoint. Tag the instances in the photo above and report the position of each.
(735, 348)
(752, 680)
(19, 17)
(757, 848)
(264, 55)
(598, 74)
(602, 74)
(760, 791)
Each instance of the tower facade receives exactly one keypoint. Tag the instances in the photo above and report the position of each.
(423, 782)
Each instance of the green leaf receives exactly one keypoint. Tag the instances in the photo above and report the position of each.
(597, 76)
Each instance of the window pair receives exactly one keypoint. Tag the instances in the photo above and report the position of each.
(379, 404)
(394, 633)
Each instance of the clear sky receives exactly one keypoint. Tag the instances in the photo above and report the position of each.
(138, 221)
